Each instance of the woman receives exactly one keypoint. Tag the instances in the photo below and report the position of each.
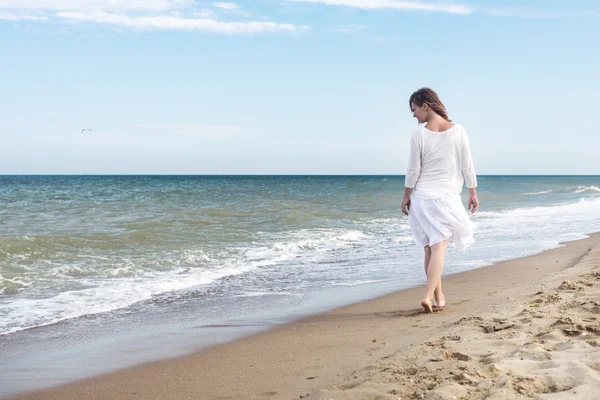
(439, 164)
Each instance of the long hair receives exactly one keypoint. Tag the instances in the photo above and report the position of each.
(426, 95)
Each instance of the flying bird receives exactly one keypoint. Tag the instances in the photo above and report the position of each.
(85, 129)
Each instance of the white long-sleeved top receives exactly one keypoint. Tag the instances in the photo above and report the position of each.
(439, 162)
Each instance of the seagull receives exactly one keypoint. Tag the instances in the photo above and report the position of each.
(85, 129)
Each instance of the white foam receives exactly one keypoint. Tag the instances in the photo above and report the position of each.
(106, 295)
(537, 193)
(524, 231)
(580, 208)
(120, 287)
(404, 239)
(359, 282)
(125, 283)
(582, 189)
(303, 242)
(260, 294)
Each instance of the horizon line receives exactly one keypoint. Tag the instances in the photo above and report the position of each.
(298, 175)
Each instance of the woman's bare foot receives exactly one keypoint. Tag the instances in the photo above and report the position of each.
(426, 303)
(440, 303)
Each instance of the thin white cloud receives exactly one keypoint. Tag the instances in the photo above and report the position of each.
(8, 17)
(177, 23)
(395, 5)
(527, 12)
(351, 28)
(91, 5)
(34, 18)
(13, 17)
(456, 8)
(197, 131)
(204, 13)
(226, 6)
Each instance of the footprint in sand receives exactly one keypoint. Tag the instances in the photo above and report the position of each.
(529, 386)
(546, 365)
(401, 313)
(532, 352)
(594, 343)
(594, 365)
(569, 286)
(595, 275)
(266, 394)
(591, 306)
(455, 355)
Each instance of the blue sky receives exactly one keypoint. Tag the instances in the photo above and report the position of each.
(293, 86)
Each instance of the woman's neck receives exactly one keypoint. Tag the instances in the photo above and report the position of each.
(438, 124)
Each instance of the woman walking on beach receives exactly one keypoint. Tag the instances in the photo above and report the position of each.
(439, 164)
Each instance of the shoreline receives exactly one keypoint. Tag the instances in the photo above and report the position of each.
(316, 354)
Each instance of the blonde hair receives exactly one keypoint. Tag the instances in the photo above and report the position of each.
(426, 95)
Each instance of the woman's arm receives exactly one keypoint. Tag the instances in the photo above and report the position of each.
(413, 171)
(414, 162)
(468, 172)
(473, 203)
(406, 200)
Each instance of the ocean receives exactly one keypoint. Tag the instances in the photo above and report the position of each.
(108, 271)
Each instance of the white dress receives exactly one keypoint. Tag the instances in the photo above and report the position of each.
(438, 166)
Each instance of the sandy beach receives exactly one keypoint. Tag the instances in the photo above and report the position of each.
(524, 328)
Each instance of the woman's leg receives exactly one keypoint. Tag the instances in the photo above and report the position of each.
(434, 275)
(427, 257)
(440, 299)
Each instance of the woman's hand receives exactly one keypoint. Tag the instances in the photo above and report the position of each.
(473, 203)
(405, 205)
